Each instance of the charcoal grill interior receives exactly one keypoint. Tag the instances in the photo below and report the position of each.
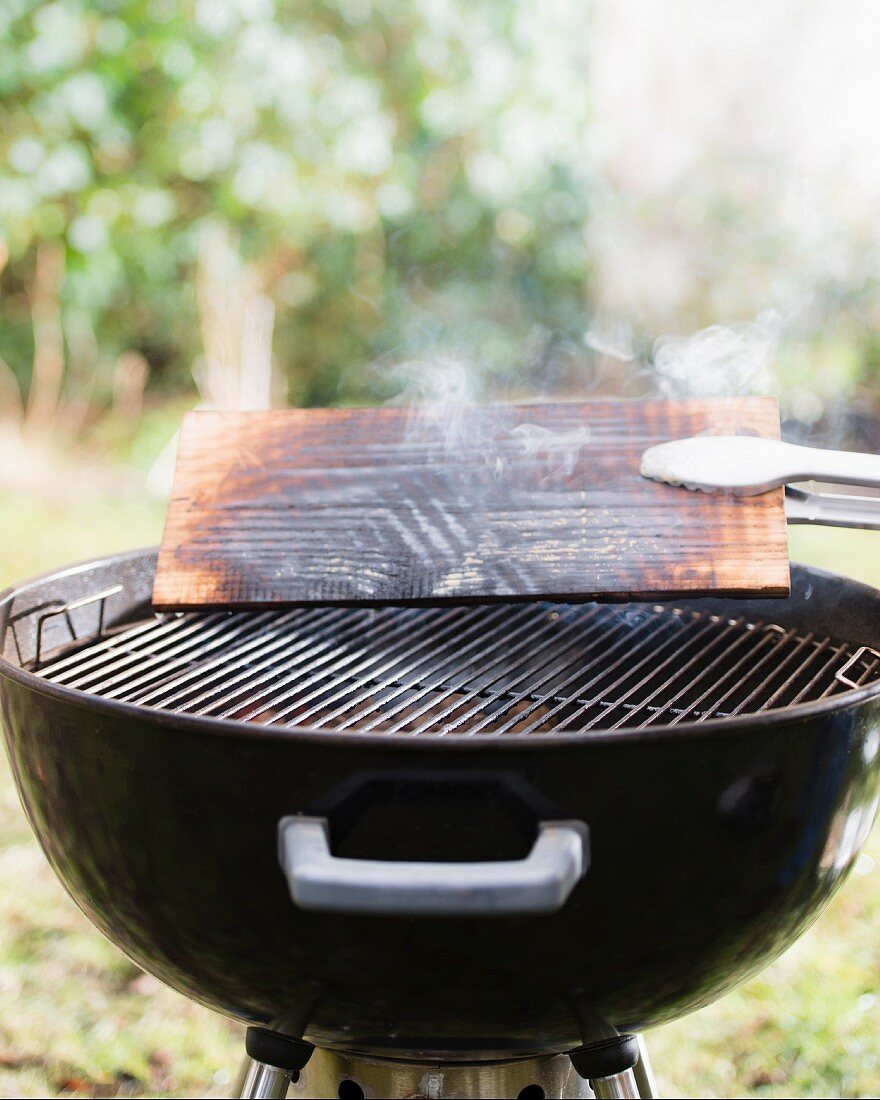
(484, 670)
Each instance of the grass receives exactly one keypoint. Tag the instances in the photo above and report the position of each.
(78, 1019)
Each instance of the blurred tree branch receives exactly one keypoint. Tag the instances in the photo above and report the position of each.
(47, 374)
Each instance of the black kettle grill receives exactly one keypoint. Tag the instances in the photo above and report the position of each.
(461, 851)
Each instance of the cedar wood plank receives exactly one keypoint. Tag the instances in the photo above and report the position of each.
(496, 502)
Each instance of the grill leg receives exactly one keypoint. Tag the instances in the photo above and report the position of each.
(620, 1086)
(262, 1082)
(273, 1062)
(643, 1072)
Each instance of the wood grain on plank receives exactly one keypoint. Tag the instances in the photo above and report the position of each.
(495, 502)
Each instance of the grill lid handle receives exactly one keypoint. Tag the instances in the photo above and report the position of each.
(539, 883)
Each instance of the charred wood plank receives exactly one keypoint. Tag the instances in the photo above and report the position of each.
(496, 502)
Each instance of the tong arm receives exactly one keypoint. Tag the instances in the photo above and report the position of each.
(832, 509)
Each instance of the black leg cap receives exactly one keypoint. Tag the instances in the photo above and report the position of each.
(274, 1049)
(606, 1058)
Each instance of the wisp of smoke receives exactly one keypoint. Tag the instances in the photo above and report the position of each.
(444, 411)
(612, 341)
(559, 450)
(719, 361)
(437, 391)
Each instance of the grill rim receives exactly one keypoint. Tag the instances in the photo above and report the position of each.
(226, 727)
(230, 727)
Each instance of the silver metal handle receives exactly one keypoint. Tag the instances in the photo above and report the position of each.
(817, 464)
(832, 509)
(539, 883)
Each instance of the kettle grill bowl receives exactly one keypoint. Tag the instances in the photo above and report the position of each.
(712, 846)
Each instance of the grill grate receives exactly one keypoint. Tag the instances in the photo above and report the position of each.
(519, 668)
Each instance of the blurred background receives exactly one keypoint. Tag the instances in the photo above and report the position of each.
(244, 203)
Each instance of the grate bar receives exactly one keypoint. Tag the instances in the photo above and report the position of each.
(517, 642)
(681, 673)
(255, 651)
(70, 670)
(338, 665)
(696, 632)
(329, 654)
(159, 665)
(714, 672)
(754, 667)
(380, 669)
(652, 628)
(435, 679)
(460, 694)
(126, 660)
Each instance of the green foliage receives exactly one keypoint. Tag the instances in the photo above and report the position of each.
(396, 171)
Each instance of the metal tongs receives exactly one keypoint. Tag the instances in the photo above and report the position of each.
(749, 465)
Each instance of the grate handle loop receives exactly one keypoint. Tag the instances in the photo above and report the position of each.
(841, 674)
